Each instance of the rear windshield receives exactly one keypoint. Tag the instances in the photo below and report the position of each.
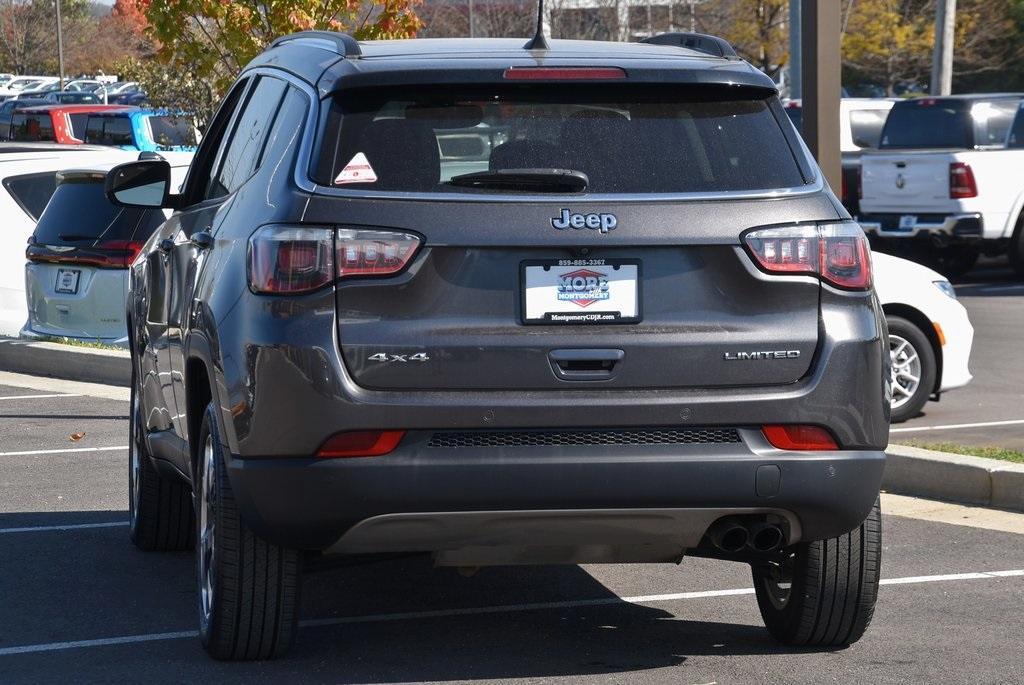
(80, 214)
(31, 127)
(937, 123)
(626, 140)
(172, 131)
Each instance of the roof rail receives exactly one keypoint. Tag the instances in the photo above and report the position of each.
(711, 45)
(341, 43)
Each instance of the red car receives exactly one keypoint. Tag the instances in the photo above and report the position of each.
(63, 124)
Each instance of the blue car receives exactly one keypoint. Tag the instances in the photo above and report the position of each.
(144, 130)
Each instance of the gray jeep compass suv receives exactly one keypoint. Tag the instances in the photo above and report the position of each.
(579, 303)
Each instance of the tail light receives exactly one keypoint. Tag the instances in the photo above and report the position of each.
(105, 254)
(961, 181)
(836, 253)
(802, 438)
(299, 259)
(360, 444)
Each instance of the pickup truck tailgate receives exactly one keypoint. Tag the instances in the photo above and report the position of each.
(906, 181)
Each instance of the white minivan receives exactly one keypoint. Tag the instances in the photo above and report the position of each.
(27, 177)
(76, 278)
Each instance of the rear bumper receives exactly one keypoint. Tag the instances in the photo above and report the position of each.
(967, 227)
(552, 503)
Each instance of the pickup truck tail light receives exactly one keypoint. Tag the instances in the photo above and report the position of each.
(836, 253)
(300, 259)
(961, 181)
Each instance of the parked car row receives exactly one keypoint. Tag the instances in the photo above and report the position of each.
(123, 126)
(14, 87)
(935, 178)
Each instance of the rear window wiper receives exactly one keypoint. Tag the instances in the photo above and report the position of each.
(539, 180)
(71, 237)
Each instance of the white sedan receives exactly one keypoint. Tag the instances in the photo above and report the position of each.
(930, 336)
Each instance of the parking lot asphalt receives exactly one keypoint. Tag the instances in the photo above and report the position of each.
(78, 603)
(990, 410)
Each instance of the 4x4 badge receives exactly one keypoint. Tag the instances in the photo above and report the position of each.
(597, 222)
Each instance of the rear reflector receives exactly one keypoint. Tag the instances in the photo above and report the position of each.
(802, 438)
(836, 253)
(360, 444)
(564, 73)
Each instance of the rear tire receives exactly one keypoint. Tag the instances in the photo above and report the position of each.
(833, 587)
(160, 513)
(912, 357)
(248, 587)
(1016, 251)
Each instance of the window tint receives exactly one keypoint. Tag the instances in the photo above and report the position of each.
(80, 208)
(1017, 131)
(32, 127)
(32, 191)
(992, 122)
(172, 131)
(109, 131)
(625, 139)
(245, 144)
(866, 126)
(78, 123)
(939, 123)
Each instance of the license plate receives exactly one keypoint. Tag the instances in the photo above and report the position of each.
(67, 281)
(581, 291)
(908, 222)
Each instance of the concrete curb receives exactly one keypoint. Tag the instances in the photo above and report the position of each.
(109, 367)
(954, 477)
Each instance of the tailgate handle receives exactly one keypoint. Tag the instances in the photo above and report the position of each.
(585, 365)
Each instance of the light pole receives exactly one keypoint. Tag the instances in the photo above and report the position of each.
(60, 47)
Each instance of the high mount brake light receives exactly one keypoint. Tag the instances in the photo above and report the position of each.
(836, 253)
(300, 259)
(961, 181)
(802, 438)
(360, 444)
(564, 73)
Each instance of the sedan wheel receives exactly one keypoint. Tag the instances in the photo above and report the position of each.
(906, 370)
(913, 368)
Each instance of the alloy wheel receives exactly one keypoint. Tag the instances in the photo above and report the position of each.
(134, 463)
(906, 370)
(207, 532)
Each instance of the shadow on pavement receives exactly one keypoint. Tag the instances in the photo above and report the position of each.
(92, 583)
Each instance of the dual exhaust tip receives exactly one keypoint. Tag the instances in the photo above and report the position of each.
(733, 536)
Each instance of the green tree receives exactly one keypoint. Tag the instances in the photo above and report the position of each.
(888, 42)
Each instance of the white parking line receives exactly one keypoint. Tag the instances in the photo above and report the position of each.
(35, 397)
(475, 611)
(952, 426)
(75, 526)
(69, 450)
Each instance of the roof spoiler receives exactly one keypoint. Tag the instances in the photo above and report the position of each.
(334, 41)
(702, 42)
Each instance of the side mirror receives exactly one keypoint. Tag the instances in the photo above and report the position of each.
(145, 183)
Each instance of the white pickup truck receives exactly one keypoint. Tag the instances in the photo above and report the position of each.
(946, 183)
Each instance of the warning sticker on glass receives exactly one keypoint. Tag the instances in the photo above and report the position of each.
(358, 170)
